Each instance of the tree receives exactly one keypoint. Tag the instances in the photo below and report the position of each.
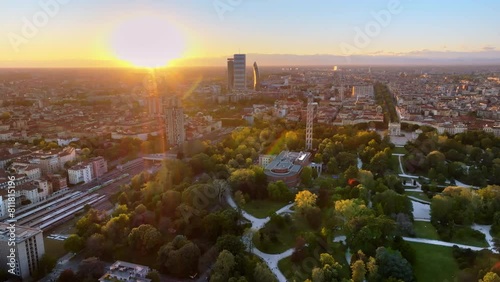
(263, 274)
(306, 176)
(329, 270)
(90, 268)
(154, 276)
(392, 265)
(67, 276)
(305, 200)
(490, 277)
(358, 271)
(74, 243)
(230, 243)
(223, 267)
(379, 163)
(278, 191)
(351, 172)
(144, 238)
(45, 265)
(393, 203)
(179, 257)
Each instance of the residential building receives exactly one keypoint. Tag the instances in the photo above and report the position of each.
(99, 166)
(58, 182)
(174, 120)
(29, 248)
(81, 172)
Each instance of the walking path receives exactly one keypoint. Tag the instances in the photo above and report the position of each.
(441, 243)
(257, 223)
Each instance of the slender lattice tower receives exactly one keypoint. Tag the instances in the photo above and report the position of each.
(309, 122)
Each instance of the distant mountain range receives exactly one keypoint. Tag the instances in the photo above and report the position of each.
(489, 56)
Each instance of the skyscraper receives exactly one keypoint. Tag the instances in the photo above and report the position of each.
(174, 120)
(256, 77)
(240, 72)
(230, 73)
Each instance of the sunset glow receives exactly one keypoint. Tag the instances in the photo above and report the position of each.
(147, 42)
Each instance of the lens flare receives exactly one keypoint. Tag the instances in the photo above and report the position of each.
(147, 42)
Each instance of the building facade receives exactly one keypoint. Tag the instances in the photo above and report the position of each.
(29, 248)
(80, 173)
(240, 74)
(126, 271)
(174, 121)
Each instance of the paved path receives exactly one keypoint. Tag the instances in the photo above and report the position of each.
(257, 223)
(419, 200)
(441, 243)
(421, 211)
(485, 229)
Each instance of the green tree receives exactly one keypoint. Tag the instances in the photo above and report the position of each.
(154, 276)
(74, 243)
(223, 267)
(392, 265)
(179, 257)
(306, 176)
(263, 274)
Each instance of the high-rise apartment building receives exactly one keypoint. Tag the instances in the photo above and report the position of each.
(174, 120)
(240, 72)
(29, 248)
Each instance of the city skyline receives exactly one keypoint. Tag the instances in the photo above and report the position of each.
(56, 33)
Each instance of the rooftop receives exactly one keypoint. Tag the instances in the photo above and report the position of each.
(22, 232)
(287, 163)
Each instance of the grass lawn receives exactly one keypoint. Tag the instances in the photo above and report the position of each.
(395, 164)
(262, 208)
(296, 273)
(434, 263)
(464, 235)
(399, 150)
(420, 195)
(53, 247)
(425, 230)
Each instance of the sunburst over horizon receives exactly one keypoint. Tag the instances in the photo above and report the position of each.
(147, 42)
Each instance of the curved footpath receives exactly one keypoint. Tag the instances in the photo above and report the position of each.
(421, 212)
(257, 223)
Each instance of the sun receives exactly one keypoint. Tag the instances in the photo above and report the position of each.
(147, 42)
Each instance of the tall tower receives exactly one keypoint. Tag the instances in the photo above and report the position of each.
(256, 77)
(174, 120)
(240, 75)
(230, 74)
(309, 122)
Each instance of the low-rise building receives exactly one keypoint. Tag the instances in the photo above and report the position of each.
(287, 167)
(126, 271)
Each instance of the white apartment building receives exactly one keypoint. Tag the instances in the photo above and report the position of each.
(29, 249)
(80, 173)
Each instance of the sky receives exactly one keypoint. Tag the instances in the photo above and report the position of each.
(159, 32)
